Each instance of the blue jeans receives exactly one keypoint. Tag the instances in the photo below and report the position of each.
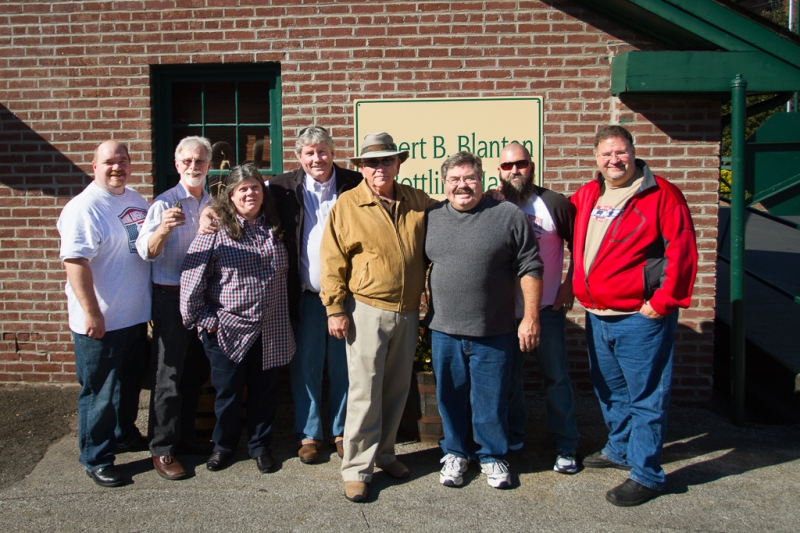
(313, 345)
(630, 359)
(109, 371)
(472, 375)
(551, 355)
(229, 379)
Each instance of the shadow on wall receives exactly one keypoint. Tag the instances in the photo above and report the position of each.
(34, 167)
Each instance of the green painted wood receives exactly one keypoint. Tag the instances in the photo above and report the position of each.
(663, 72)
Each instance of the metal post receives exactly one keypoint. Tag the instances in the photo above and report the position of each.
(738, 118)
(793, 25)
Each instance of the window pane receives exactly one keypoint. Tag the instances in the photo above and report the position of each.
(254, 102)
(186, 107)
(254, 146)
(223, 143)
(220, 103)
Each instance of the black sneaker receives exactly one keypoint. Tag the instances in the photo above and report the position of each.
(630, 494)
(598, 460)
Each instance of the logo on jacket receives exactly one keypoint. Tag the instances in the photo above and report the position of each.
(132, 219)
(602, 213)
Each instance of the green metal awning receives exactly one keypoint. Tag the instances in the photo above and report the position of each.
(708, 43)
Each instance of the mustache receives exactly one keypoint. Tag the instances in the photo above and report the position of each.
(464, 190)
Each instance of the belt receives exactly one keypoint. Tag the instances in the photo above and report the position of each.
(173, 288)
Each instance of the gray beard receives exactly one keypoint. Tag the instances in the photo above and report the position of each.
(518, 195)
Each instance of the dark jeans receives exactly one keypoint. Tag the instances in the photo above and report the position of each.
(179, 368)
(109, 371)
(551, 354)
(229, 380)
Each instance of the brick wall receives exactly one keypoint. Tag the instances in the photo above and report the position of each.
(73, 73)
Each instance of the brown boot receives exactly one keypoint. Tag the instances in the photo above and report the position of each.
(355, 491)
(308, 452)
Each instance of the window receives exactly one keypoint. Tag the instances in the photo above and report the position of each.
(237, 107)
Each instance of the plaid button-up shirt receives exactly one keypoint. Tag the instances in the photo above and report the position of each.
(240, 287)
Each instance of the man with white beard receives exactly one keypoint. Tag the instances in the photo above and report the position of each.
(552, 217)
(179, 365)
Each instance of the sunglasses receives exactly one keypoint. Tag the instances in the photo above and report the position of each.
(374, 163)
(312, 128)
(508, 165)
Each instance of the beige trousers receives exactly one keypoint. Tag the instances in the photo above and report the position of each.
(380, 357)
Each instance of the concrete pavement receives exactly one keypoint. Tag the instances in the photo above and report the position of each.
(720, 478)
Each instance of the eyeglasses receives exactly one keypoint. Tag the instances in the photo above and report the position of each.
(197, 162)
(469, 180)
(374, 163)
(508, 165)
(606, 156)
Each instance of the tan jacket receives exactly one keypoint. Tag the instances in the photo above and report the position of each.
(363, 253)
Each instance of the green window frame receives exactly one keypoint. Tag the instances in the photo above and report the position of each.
(225, 103)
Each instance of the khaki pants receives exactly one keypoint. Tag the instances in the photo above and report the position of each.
(380, 356)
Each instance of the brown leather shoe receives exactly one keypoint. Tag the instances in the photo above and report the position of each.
(395, 469)
(355, 491)
(308, 452)
(339, 445)
(168, 467)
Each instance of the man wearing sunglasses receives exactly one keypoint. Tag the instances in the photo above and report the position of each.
(373, 273)
(552, 217)
(635, 261)
(179, 365)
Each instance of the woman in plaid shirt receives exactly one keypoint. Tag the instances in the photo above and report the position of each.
(233, 291)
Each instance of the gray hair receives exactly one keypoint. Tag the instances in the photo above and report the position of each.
(313, 135)
(463, 158)
(190, 143)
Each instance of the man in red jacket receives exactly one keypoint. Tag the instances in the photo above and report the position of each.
(635, 261)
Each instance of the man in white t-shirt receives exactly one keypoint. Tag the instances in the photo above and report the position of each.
(108, 296)
(552, 217)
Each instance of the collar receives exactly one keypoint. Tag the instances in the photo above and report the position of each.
(365, 195)
(183, 193)
(313, 185)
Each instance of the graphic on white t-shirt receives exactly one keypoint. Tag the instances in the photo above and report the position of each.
(132, 219)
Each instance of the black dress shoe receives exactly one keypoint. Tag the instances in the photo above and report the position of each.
(630, 494)
(265, 462)
(216, 461)
(107, 476)
(136, 444)
(598, 460)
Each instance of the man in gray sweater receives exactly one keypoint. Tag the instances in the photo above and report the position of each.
(478, 248)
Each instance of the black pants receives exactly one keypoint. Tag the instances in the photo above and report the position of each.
(179, 368)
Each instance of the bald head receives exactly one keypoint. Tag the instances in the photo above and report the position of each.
(112, 166)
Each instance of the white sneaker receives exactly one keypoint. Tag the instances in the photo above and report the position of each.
(497, 474)
(565, 464)
(454, 466)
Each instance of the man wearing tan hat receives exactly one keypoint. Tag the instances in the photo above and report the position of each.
(372, 276)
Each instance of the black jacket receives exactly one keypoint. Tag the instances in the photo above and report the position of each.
(287, 193)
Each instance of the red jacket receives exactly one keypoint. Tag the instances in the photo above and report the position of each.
(648, 253)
